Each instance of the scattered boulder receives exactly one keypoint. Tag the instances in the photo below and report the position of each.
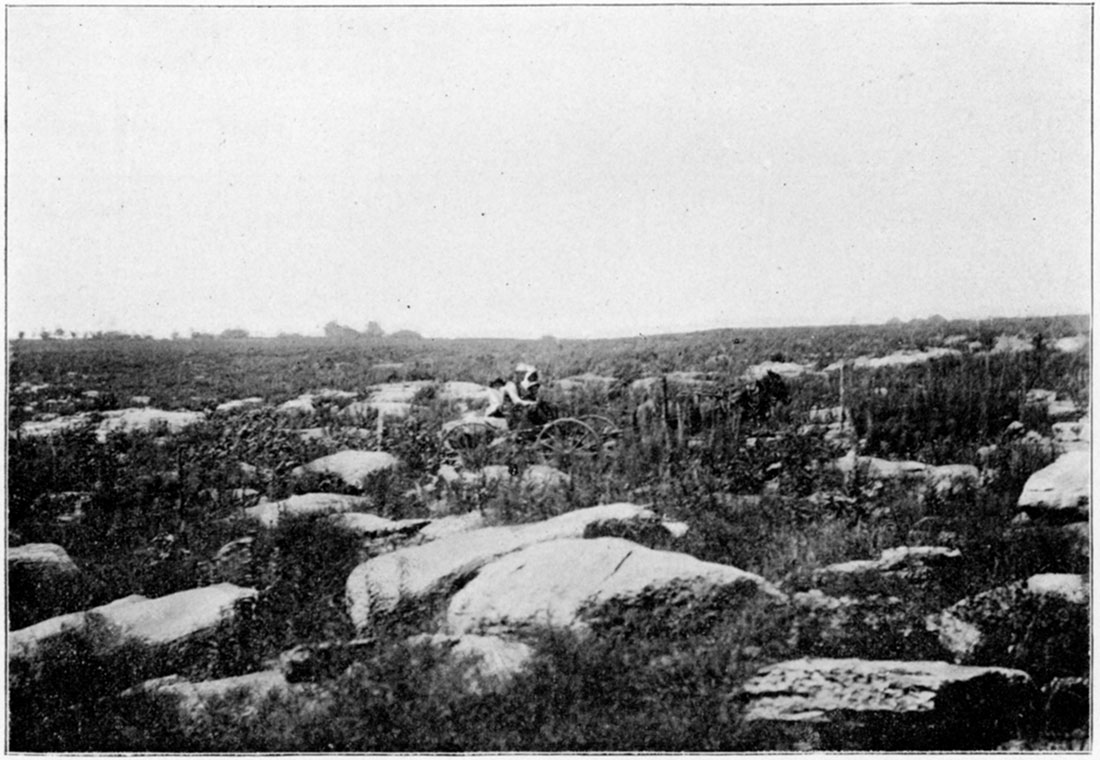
(373, 526)
(855, 704)
(144, 419)
(241, 695)
(24, 642)
(452, 525)
(301, 405)
(1072, 344)
(269, 513)
(463, 391)
(414, 575)
(1012, 344)
(113, 421)
(577, 584)
(353, 467)
(542, 476)
(783, 369)
(240, 403)
(908, 564)
(176, 617)
(402, 393)
(881, 469)
(140, 400)
(949, 479)
(1073, 436)
(41, 562)
(1040, 625)
(486, 663)
(896, 359)
(161, 622)
(1063, 485)
(872, 626)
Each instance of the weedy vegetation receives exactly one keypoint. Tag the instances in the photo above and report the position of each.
(156, 508)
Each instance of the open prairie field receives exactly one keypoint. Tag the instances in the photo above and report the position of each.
(841, 538)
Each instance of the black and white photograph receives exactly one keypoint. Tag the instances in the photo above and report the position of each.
(556, 378)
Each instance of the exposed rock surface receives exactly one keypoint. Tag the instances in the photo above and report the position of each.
(1063, 485)
(373, 526)
(1073, 436)
(896, 359)
(25, 641)
(890, 704)
(113, 421)
(487, 663)
(544, 476)
(881, 469)
(163, 621)
(249, 689)
(910, 564)
(41, 561)
(783, 369)
(240, 403)
(870, 626)
(351, 466)
(1071, 344)
(577, 583)
(416, 574)
(455, 390)
(1040, 625)
(269, 513)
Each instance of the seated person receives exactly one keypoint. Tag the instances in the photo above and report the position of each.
(508, 399)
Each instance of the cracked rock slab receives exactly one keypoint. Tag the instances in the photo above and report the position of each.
(891, 704)
(415, 575)
(577, 583)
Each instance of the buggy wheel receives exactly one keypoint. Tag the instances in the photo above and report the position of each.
(604, 426)
(568, 438)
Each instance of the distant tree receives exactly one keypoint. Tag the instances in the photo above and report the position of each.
(59, 333)
(335, 330)
(407, 335)
(45, 335)
(21, 334)
(233, 333)
(175, 335)
(374, 330)
(201, 335)
(894, 322)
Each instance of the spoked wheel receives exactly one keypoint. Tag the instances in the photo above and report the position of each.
(604, 426)
(568, 438)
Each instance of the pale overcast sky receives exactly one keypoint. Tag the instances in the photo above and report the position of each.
(575, 171)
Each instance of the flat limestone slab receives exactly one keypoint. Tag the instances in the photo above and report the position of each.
(381, 585)
(855, 704)
(1065, 484)
(567, 583)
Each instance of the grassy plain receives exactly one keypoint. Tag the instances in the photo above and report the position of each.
(159, 507)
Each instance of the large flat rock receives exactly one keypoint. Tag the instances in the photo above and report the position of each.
(577, 583)
(351, 466)
(269, 513)
(163, 621)
(1063, 485)
(380, 586)
(891, 704)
